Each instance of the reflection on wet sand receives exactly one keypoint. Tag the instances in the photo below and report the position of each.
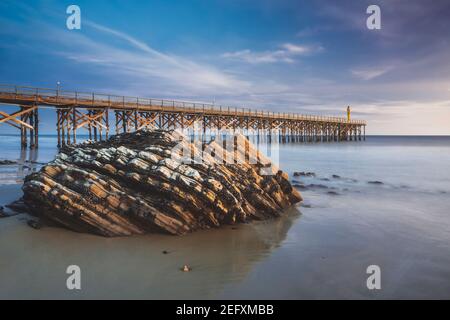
(136, 267)
(14, 171)
(27, 163)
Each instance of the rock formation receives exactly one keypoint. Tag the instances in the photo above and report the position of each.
(7, 162)
(136, 183)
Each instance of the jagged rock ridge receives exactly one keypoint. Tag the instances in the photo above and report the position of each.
(133, 184)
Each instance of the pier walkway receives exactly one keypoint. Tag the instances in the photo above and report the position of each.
(92, 111)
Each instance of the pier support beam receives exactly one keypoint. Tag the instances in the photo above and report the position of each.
(69, 120)
(27, 121)
(132, 120)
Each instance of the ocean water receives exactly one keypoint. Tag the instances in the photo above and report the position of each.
(320, 249)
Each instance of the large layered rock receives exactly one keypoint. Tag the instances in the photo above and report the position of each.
(135, 183)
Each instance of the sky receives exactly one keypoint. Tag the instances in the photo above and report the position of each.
(308, 57)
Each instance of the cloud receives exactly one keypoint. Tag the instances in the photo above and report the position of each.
(402, 21)
(370, 73)
(133, 41)
(286, 53)
(407, 117)
(142, 63)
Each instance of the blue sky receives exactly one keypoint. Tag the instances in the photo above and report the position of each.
(313, 57)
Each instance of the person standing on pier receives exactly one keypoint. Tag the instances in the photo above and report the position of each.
(348, 113)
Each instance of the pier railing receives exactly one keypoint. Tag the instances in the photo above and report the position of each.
(61, 98)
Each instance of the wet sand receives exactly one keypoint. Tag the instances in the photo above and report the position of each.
(34, 262)
(319, 250)
(313, 255)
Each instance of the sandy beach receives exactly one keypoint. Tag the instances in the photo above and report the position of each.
(320, 249)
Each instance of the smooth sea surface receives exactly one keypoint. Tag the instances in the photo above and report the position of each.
(319, 249)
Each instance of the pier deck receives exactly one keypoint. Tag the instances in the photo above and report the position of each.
(76, 110)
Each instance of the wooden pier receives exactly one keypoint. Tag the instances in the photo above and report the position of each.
(91, 111)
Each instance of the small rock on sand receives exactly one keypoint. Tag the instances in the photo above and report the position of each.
(186, 268)
(34, 224)
(7, 162)
(304, 174)
(317, 186)
(2, 214)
